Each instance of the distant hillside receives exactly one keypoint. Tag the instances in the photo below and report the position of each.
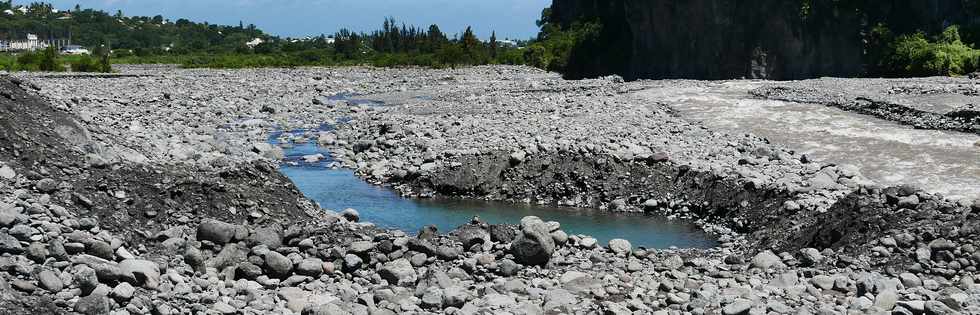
(142, 34)
(775, 39)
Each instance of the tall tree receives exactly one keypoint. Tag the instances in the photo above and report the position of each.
(493, 44)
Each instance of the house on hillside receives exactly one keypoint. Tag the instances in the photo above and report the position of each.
(254, 42)
(74, 50)
(507, 43)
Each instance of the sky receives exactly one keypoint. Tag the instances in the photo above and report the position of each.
(512, 19)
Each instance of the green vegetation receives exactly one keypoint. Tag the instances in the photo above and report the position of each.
(584, 43)
(141, 39)
(918, 55)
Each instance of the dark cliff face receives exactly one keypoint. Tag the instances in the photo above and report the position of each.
(721, 39)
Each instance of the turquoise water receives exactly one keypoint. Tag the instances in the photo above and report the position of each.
(340, 189)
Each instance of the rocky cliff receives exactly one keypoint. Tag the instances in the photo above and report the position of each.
(718, 39)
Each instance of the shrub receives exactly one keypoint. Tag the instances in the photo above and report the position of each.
(85, 64)
(49, 61)
(916, 55)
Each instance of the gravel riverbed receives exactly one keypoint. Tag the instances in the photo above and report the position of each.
(155, 192)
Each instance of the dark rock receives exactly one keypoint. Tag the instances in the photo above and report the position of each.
(535, 245)
(351, 215)
(271, 237)
(56, 249)
(37, 252)
(46, 185)
(428, 232)
(86, 279)
(312, 267)
(422, 246)
(50, 281)
(471, 235)
(231, 255)
(93, 304)
(448, 253)
(9, 244)
(216, 231)
(194, 258)
(247, 270)
(508, 268)
(278, 265)
(23, 285)
(100, 249)
(502, 233)
(21, 232)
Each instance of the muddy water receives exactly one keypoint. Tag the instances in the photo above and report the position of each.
(885, 152)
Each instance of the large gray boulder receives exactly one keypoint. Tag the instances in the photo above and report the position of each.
(534, 244)
(399, 272)
(93, 304)
(277, 265)
(271, 237)
(312, 267)
(50, 281)
(140, 272)
(472, 234)
(620, 246)
(216, 231)
(9, 244)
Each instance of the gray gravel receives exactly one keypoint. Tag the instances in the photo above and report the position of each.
(794, 233)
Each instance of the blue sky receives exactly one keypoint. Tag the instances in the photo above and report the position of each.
(510, 18)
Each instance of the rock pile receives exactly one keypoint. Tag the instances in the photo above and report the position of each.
(162, 205)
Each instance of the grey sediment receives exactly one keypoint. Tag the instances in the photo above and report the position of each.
(173, 168)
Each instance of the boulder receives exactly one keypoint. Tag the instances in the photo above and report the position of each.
(229, 256)
(534, 245)
(140, 272)
(298, 299)
(351, 215)
(123, 292)
(312, 267)
(737, 307)
(216, 231)
(7, 173)
(454, 296)
(100, 249)
(9, 244)
(277, 265)
(46, 185)
(93, 304)
(49, 280)
(502, 233)
(271, 237)
(247, 270)
(620, 246)
(399, 272)
(471, 235)
(86, 279)
(766, 259)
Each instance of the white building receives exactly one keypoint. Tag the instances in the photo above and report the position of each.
(254, 42)
(75, 50)
(31, 44)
